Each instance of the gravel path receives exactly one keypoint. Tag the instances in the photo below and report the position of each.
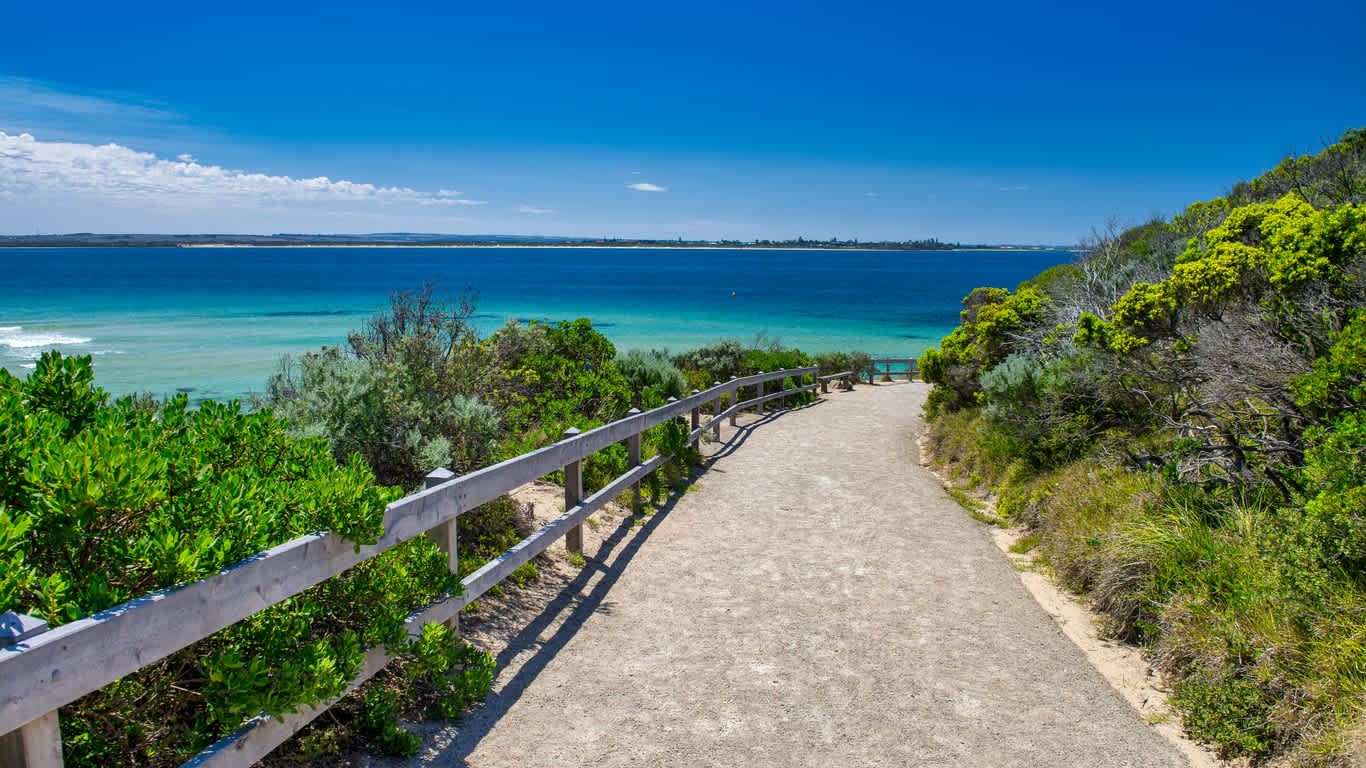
(813, 600)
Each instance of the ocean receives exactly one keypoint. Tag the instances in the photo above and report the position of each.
(215, 322)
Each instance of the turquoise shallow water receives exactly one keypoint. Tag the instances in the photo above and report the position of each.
(215, 322)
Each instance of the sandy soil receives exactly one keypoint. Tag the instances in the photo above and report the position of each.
(814, 599)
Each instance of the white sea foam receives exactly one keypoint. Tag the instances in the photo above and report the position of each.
(32, 343)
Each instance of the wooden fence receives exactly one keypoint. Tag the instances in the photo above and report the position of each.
(846, 378)
(42, 670)
(886, 364)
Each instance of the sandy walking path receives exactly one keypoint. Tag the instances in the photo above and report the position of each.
(814, 600)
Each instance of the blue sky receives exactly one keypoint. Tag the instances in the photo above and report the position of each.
(973, 122)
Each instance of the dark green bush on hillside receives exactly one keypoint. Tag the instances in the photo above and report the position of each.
(1213, 364)
(550, 376)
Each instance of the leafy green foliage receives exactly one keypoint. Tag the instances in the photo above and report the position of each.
(459, 674)
(990, 315)
(110, 502)
(551, 376)
(379, 722)
(105, 502)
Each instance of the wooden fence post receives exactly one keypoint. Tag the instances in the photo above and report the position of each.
(38, 743)
(444, 535)
(633, 459)
(716, 415)
(734, 399)
(696, 422)
(573, 494)
(782, 387)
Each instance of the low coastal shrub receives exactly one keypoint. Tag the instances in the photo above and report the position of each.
(652, 377)
(402, 395)
(839, 362)
(101, 502)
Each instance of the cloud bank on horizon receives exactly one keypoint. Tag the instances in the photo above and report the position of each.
(114, 174)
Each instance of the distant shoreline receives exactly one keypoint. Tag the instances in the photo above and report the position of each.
(430, 240)
(621, 247)
(891, 249)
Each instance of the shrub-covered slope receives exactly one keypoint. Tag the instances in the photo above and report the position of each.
(1178, 416)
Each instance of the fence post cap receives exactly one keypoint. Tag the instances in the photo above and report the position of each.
(732, 378)
(697, 391)
(571, 432)
(15, 627)
(715, 383)
(633, 412)
(438, 476)
(672, 400)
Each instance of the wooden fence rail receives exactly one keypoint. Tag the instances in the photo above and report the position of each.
(846, 377)
(41, 671)
(886, 364)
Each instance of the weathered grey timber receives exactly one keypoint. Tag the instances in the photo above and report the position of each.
(446, 535)
(38, 743)
(816, 600)
(573, 494)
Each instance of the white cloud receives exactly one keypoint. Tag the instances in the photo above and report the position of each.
(534, 209)
(1016, 188)
(644, 187)
(113, 173)
(870, 194)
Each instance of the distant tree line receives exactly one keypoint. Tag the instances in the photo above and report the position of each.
(96, 240)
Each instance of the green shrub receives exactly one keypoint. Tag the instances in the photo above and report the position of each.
(402, 396)
(100, 503)
(838, 362)
(717, 362)
(652, 376)
(548, 377)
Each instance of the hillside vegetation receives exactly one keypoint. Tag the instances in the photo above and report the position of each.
(1178, 419)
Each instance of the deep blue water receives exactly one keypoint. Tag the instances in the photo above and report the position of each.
(215, 321)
